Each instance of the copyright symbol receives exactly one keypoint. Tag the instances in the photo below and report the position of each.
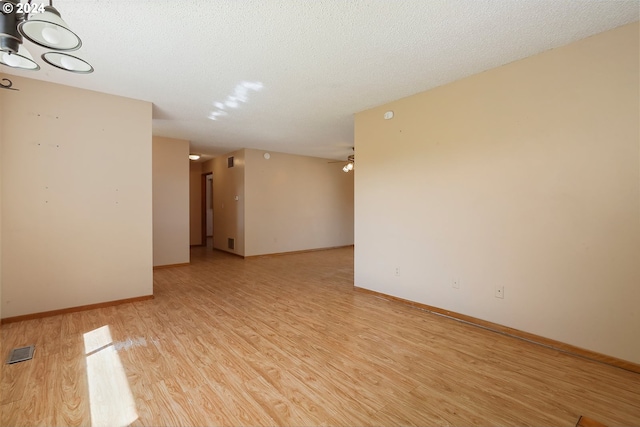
(7, 8)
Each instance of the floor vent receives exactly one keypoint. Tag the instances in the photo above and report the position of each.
(21, 354)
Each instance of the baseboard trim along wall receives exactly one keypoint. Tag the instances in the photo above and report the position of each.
(299, 252)
(160, 267)
(73, 309)
(516, 333)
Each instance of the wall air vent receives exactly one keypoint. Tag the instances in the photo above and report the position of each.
(21, 354)
(231, 243)
(230, 162)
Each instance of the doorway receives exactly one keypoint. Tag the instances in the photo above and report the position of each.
(207, 209)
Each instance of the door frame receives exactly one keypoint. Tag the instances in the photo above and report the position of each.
(203, 205)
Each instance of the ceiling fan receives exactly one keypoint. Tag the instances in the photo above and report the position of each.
(351, 160)
(349, 165)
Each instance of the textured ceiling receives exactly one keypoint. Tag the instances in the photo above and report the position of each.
(288, 75)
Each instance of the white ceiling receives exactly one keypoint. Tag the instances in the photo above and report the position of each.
(307, 65)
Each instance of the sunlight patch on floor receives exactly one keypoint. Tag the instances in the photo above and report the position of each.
(111, 400)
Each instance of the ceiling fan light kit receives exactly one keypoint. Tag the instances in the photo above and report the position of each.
(43, 26)
(20, 59)
(67, 62)
(348, 167)
(49, 30)
(350, 164)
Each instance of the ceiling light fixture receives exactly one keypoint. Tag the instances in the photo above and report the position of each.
(67, 62)
(194, 156)
(20, 59)
(43, 26)
(349, 166)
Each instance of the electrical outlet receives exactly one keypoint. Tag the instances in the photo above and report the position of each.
(455, 283)
(397, 271)
(499, 292)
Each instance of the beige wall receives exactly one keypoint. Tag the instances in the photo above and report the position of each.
(287, 203)
(170, 201)
(77, 198)
(526, 176)
(207, 167)
(228, 213)
(195, 206)
(1, 145)
(296, 203)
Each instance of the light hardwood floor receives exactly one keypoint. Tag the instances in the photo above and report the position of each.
(285, 340)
